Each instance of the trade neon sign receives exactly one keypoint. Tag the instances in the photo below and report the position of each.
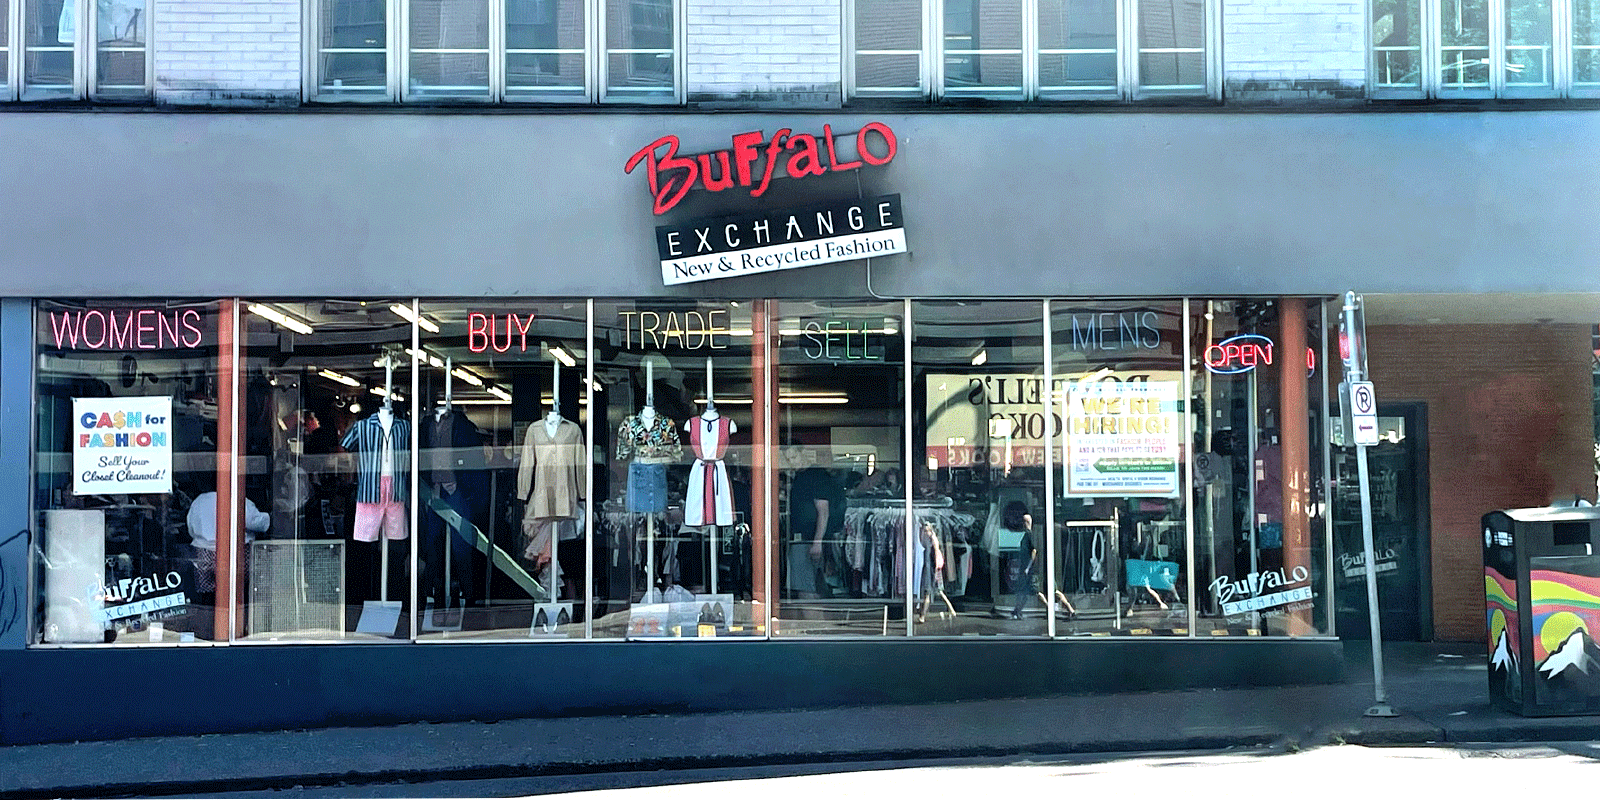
(754, 159)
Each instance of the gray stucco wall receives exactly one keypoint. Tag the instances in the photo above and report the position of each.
(1080, 204)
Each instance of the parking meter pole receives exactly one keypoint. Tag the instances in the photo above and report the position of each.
(1355, 363)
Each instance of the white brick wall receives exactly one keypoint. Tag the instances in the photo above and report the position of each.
(1294, 41)
(226, 51)
(741, 46)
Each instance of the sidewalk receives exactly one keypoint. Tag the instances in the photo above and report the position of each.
(1440, 691)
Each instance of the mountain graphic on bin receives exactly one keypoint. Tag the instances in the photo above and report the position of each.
(1570, 676)
(1577, 654)
(1504, 670)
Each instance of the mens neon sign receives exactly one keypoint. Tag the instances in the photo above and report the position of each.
(753, 161)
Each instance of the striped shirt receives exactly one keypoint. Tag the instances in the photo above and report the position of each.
(365, 439)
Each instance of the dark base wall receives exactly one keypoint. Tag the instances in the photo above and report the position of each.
(65, 695)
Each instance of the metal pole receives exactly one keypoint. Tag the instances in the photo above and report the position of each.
(1355, 370)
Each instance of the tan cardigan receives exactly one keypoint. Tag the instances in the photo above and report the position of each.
(553, 472)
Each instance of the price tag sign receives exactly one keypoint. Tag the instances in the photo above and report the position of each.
(1363, 413)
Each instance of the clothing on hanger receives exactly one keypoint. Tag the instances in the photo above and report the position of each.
(552, 475)
(380, 451)
(710, 498)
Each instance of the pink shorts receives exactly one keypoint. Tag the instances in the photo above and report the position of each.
(388, 516)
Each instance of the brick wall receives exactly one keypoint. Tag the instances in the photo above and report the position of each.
(1510, 425)
(763, 51)
(227, 52)
(1292, 51)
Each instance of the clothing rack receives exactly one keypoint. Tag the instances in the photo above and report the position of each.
(874, 543)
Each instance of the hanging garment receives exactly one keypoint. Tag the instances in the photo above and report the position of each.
(381, 452)
(710, 499)
(552, 474)
(655, 442)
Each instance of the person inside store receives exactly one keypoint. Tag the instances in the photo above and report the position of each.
(816, 529)
(1016, 529)
(203, 538)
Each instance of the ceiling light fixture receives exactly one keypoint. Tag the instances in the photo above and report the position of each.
(981, 358)
(561, 355)
(293, 323)
(463, 374)
(338, 376)
(404, 312)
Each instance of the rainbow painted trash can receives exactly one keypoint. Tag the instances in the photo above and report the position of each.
(1541, 582)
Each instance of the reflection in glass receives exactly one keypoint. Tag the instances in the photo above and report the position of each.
(1586, 42)
(1528, 43)
(983, 47)
(1172, 44)
(125, 471)
(840, 469)
(1121, 540)
(888, 46)
(979, 372)
(1397, 43)
(1464, 43)
(450, 47)
(544, 46)
(639, 47)
(1077, 44)
(120, 55)
(354, 36)
(48, 35)
(327, 454)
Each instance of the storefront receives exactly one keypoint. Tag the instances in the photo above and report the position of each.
(661, 437)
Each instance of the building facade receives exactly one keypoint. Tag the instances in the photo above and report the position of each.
(447, 359)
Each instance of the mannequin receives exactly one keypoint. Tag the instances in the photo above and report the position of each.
(452, 463)
(551, 482)
(381, 442)
(652, 442)
(710, 500)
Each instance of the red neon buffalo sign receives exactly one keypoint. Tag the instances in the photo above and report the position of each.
(672, 176)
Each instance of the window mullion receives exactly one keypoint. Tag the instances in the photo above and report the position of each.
(1030, 49)
(83, 46)
(1432, 35)
(497, 50)
(1561, 47)
(1497, 47)
(597, 62)
(14, 47)
(399, 57)
(933, 48)
(1127, 49)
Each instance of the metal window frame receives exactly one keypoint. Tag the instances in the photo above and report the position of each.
(13, 53)
(398, 53)
(1431, 84)
(933, 75)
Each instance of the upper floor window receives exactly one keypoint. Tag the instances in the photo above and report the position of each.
(1033, 49)
(72, 49)
(1485, 48)
(575, 51)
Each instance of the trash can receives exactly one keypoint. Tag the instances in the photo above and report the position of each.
(1541, 580)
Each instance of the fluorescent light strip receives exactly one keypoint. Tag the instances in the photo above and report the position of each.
(292, 323)
(404, 312)
(463, 374)
(393, 396)
(495, 402)
(562, 356)
(500, 393)
(338, 376)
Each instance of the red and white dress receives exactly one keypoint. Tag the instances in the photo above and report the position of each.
(710, 500)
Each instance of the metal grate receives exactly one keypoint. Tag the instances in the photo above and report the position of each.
(296, 587)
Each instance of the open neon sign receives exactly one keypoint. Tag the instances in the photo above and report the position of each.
(1245, 352)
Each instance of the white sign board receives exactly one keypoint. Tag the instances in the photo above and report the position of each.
(1363, 413)
(1121, 439)
(121, 445)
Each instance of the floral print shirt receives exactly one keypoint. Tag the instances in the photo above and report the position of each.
(657, 441)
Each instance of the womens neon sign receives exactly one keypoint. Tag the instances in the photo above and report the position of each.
(671, 176)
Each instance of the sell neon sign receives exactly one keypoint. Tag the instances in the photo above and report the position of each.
(671, 176)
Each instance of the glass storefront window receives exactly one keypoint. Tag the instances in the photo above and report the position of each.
(504, 469)
(1255, 515)
(326, 452)
(126, 469)
(840, 410)
(677, 532)
(446, 470)
(1120, 531)
(978, 552)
